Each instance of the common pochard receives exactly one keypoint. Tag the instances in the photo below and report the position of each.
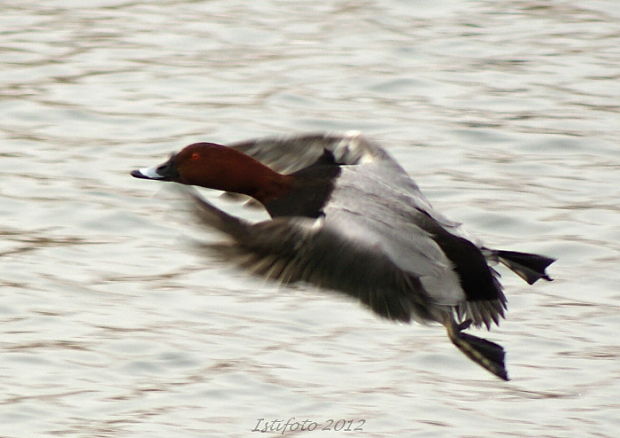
(345, 216)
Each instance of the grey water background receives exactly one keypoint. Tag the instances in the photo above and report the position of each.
(506, 114)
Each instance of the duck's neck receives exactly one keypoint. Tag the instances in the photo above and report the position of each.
(269, 186)
(240, 173)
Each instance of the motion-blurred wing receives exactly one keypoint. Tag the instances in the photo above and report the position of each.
(293, 249)
(290, 154)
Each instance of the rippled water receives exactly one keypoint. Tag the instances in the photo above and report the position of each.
(506, 113)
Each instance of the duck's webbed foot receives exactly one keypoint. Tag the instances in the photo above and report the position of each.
(487, 354)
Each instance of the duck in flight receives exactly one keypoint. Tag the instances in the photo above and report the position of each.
(345, 216)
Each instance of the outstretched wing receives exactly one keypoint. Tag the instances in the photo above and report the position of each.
(293, 249)
(290, 154)
(293, 153)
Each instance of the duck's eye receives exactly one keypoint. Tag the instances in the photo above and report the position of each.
(195, 156)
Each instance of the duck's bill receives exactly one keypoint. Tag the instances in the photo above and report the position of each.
(163, 172)
(147, 173)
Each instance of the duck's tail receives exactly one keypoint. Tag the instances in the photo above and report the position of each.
(487, 354)
(530, 267)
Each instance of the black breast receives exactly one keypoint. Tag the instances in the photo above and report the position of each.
(311, 190)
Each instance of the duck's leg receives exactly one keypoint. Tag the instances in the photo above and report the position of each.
(487, 354)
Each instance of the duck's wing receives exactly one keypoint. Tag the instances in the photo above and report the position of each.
(293, 153)
(293, 249)
(399, 279)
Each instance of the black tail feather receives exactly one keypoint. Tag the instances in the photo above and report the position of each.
(530, 267)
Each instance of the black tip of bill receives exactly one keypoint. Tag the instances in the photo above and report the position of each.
(137, 174)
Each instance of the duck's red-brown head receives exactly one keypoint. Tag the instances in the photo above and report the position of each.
(219, 167)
